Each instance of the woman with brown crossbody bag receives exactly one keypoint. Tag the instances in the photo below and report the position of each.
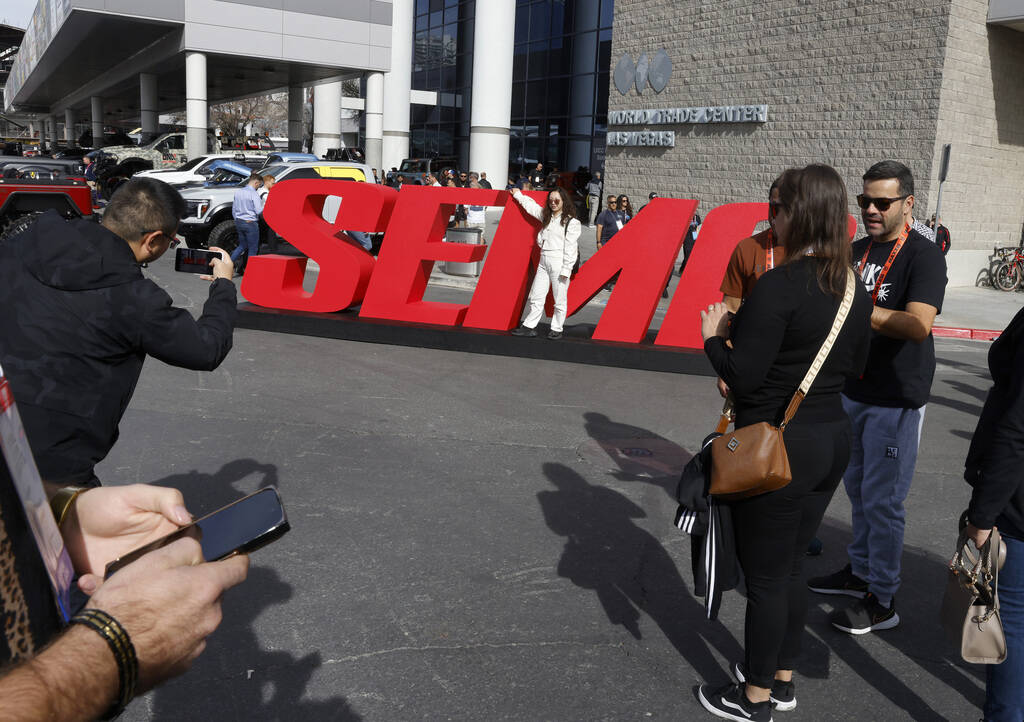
(764, 356)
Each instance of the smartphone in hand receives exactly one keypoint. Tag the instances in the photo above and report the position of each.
(194, 260)
(240, 527)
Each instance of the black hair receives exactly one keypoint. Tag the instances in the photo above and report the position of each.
(143, 205)
(886, 169)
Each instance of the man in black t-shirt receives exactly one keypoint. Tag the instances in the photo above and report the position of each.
(905, 273)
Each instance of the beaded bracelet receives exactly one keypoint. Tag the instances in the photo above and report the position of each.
(124, 654)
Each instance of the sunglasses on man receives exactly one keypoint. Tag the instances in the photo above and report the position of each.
(882, 204)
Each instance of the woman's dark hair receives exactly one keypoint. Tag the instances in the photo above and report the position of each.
(815, 198)
(568, 208)
(628, 207)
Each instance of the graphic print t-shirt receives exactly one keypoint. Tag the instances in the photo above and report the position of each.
(899, 371)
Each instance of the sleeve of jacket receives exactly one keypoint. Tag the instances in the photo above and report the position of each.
(529, 205)
(571, 247)
(757, 332)
(1001, 474)
(171, 334)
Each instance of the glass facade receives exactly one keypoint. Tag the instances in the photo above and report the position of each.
(559, 81)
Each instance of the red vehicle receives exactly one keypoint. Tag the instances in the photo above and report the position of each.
(23, 199)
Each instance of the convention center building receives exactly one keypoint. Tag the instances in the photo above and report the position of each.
(682, 98)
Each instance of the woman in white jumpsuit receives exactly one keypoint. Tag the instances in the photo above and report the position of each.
(557, 238)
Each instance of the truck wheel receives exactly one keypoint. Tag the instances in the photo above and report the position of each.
(15, 225)
(224, 236)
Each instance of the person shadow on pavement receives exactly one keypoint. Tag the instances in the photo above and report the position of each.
(236, 676)
(628, 568)
(632, 453)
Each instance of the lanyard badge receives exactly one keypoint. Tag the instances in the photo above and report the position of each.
(885, 269)
(23, 471)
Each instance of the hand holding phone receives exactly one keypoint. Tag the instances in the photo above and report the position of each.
(194, 260)
(241, 527)
(222, 265)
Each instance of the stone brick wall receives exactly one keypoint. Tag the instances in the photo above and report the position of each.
(846, 84)
(981, 113)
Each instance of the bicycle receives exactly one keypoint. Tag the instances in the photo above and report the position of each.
(1009, 273)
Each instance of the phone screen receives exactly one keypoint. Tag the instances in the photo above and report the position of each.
(194, 260)
(243, 526)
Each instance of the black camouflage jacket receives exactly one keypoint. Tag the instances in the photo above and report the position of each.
(77, 320)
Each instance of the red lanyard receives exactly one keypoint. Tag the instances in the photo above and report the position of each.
(885, 269)
(770, 251)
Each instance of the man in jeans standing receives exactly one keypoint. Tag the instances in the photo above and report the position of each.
(245, 209)
(905, 273)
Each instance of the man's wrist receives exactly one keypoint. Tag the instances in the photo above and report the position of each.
(63, 500)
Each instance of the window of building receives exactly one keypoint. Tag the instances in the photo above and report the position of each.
(559, 103)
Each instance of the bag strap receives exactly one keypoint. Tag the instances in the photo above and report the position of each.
(823, 352)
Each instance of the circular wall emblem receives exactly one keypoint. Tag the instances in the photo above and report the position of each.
(655, 72)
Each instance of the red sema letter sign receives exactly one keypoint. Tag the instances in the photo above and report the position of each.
(415, 220)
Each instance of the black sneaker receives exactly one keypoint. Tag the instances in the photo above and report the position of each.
(554, 334)
(783, 694)
(865, 615)
(842, 582)
(730, 702)
(524, 331)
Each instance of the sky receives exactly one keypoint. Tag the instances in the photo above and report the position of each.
(16, 12)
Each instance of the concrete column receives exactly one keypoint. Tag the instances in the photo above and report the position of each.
(148, 106)
(296, 104)
(97, 122)
(492, 89)
(69, 126)
(397, 83)
(374, 119)
(326, 118)
(197, 118)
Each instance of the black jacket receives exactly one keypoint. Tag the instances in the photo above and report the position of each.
(712, 537)
(78, 320)
(995, 462)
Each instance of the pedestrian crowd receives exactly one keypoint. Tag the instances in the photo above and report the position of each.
(796, 296)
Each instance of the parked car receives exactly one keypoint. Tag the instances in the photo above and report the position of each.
(209, 222)
(416, 170)
(14, 166)
(353, 155)
(120, 162)
(287, 157)
(23, 200)
(199, 170)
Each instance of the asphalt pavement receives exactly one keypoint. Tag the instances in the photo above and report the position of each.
(490, 538)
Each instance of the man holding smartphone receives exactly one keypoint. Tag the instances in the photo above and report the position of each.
(80, 318)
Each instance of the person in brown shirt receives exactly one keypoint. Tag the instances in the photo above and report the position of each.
(752, 257)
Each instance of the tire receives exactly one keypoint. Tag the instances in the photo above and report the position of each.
(1007, 276)
(15, 225)
(224, 236)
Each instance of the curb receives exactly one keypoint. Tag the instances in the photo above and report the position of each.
(972, 334)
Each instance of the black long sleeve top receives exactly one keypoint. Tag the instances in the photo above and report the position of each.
(775, 336)
(995, 461)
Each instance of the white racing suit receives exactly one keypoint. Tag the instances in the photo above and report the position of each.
(558, 251)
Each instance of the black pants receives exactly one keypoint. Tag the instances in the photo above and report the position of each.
(772, 533)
